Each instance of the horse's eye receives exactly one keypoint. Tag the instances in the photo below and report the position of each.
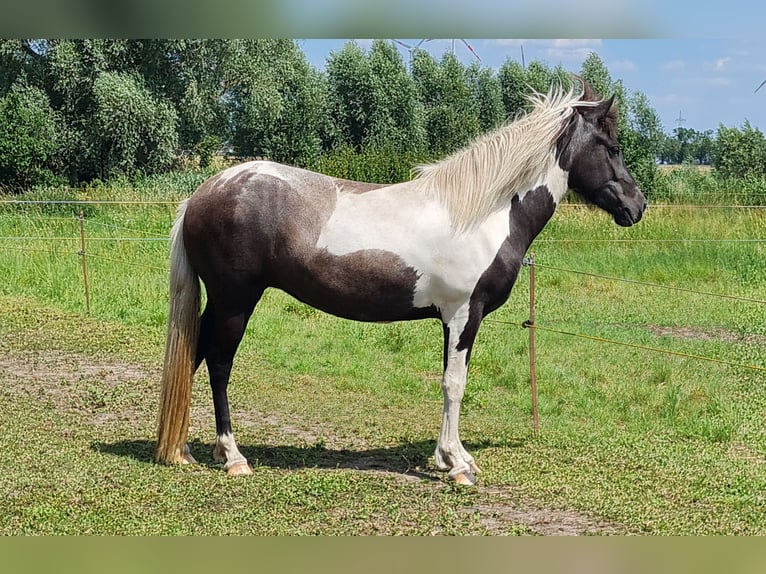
(614, 150)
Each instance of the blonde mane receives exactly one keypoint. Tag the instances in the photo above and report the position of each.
(474, 182)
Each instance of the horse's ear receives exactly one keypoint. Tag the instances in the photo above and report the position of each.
(606, 106)
(588, 94)
(597, 112)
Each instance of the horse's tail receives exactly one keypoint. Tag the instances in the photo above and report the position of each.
(180, 350)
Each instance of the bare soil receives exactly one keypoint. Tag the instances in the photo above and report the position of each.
(711, 334)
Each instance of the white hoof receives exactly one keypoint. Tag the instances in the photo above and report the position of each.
(465, 478)
(186, 456)
(239, 469)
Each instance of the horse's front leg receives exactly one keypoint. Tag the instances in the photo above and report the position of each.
(459, 334)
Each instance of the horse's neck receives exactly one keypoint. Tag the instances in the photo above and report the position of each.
(555, 180)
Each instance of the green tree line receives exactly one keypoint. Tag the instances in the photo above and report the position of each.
(77, 110)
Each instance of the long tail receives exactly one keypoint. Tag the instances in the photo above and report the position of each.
(180, 350)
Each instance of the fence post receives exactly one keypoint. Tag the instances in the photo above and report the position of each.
(530, 324)
(84, 264)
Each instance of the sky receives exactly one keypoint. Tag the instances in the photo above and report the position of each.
(693, 83)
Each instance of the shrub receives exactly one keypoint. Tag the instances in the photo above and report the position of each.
(28, 138)
(378, 164)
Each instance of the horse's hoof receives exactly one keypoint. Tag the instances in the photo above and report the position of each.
(475, 468)
(186, 457)
(239, 469)
(465, 478)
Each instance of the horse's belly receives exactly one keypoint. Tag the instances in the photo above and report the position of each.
(367, 285)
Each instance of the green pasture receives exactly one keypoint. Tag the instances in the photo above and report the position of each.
(339, 419)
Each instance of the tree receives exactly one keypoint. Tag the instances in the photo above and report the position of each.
(487, 96)
(594, 72)
(643, 141)
(350, 96)
(670, 150)
(396, 115)
(513, 87)
(28, 138)
(191, 75)
(740, 152)
(131, 130)
(84, 81)
(451, 117)
(703, 147)
(276, 101)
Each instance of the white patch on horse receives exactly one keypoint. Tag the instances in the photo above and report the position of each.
(555, 180)
(226, 451)
(235, 170)
(450, 453)
(418, 231)
(256, 167)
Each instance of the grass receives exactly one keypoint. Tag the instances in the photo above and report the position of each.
(340, 418)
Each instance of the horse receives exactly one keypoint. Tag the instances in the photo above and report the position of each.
(447, 244)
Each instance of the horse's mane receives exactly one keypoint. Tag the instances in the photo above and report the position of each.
(475, 181)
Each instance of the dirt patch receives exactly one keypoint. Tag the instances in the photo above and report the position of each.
(73, 383)
(709, 334)
(56, 365)
(507, 507)
(742, 452)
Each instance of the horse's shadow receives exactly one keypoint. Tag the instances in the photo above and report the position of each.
(410, 458)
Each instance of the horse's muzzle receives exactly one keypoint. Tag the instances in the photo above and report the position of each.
(630, 215)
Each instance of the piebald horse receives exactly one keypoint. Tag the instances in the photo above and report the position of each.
(447, 244)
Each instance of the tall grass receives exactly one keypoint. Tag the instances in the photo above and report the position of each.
(701, 185)
(655, 443)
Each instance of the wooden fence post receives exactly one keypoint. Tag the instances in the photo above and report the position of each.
(530, 324)
(84, 264)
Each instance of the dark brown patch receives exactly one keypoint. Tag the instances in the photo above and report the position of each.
(369, 285)
(527, 219)
(257, 231)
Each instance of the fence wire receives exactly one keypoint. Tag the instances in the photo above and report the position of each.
(649, 284)
(147, 236)
(538, 327)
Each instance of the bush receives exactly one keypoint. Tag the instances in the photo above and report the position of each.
(740, 153)
(378, 164)
(697, 185)
(206, 149)
(131, 131)
(27, 140)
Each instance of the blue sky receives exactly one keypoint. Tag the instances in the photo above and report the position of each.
(706, 82)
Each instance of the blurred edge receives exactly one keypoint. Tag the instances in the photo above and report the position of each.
(331, 19)
(320, 555)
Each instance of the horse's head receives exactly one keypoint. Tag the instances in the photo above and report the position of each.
(588, 150)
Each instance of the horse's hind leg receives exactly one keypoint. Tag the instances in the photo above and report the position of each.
(221, 331)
